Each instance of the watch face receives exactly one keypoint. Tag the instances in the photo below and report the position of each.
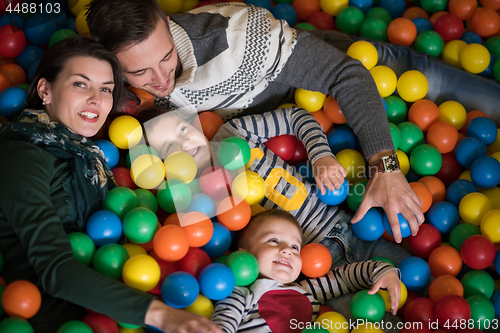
(391, 163)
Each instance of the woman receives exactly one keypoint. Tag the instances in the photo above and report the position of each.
(53, 178)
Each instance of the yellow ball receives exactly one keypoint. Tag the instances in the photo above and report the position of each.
(473, 207)
(495, 146)
(81, 23)
(134, 249)
(141, 272)
(353, 162)
(364, 52)
(202, 306)
(496, 155)
(385, 79)
(412, 86)
(170, 6)
(187, 5)
(333, 322)
(387, 300)
(76, 6)
(404, 161)
(451, 52)
(465, 175)
(286, 105)
(475, 58)
(310, 100)
(147, 171)
(453, 113)
(333, 7)
(490, 225)
(125, 132)
(131, 330)
(368, 327)
(181, 165)
(494, 195)
(250, 186)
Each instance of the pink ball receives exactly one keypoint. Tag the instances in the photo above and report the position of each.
(215, 181)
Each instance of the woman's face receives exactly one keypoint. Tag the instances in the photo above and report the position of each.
(81, 95)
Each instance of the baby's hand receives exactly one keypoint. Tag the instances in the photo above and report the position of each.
(389, 281)
(328, 172)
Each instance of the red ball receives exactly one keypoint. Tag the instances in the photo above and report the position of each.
(421, 309)
(283, 146)
(322, 21)
(123, 179)
(470, 330)
(478, 252)
(450, 169)
(449, 27)
(305, 8)
(215, 181)
(324, 308)
(210, 123)
(100, 323)
(194, 262)
(300, 154)
(316, 260)
(12, 41)
(410, 297)
(234, 213)
(166, 268)
(451, 308)
(425, 241)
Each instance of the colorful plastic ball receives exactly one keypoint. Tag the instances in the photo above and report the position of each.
(370, 227)
(443, 136)
(367, 307)
(365, 52)
(284, 11)
(452, 308)
(60, 35)
(74, 326)
(170, 243)
(83, 247)
(395, 135)
(478, 282)
(283, 146)
(402, 31)
(323, 120)
(333, 112)
(336, 322)
(193, 262)
(147, 171)
(15, 325)
(424, 194)
(435, 186)
(445, 260)
(415, 273)
(374, 28)
(12, 101)
(482, 312)
(12, 19)
(459, 189)
(473, 207)
(125, 132)
(426, 160)
(216, 281)
(493, 45)
(396, 109)
(180, 290)
(139, 225)
(12, 40)
(305, 8)
(451, 52)
(250, 186)
(478, 252)
(111, 154)
(469, 150)
(411, 136)
(445, 285)
(485, 22)
(495, 300)
(387, 300)
(429, 42)
(336, 196)
(220, 241)
(333, 7)
(109, 260)
(137, 151)
(444, 216)
(485, 172)
(14, 73)
(322, 21)
(39, 27)
(454, 113)
(146, 199)
(460, 233)
(385, 79)
(470, 37)
(245, 267)
(120, 200)
(104, 227)
(450, 27)
(141, 272)
(316, 260)
(482, 128)
(201, 306)
(198, 227)
(490, 226)
(422, 24)
(215, 181)
(395, 8)
(174, 196)
(403, 225)
(412, 85)
(100, 323)
(463, 9)
(355, 196)
(180, 165)
(496, 70)
(474, 58)
(134, 249)
(234, 213)
(340, 138)
(433, 6)
(379, 13)
(349, 20)
(123, 179)
(310, 100)
(210, 123)
(201, 202)
(420, 309)
(21, 298)
(233, 153)
(354, 164)
(425, 241)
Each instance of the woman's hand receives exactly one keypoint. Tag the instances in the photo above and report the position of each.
(329, 173)
(389, 281)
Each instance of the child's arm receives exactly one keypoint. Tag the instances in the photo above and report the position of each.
(228, 313)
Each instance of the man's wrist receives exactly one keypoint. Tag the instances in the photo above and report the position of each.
(386, 164)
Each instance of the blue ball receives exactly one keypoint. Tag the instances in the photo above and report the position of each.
(266, 4)
(220, 241)
(104, 227)
(497, 262)
(412, 176)
(395, 7)
(485, 172)
(12, 101)
(482, 128)
(459, 189)
(71, 24)
(39, 27)
(415, 273)
(152, 329)
(444, 216)
(334, 197)
(488, 72)
(12, 19)
(111, 153)
(470, 37)
(305, 169)
(422, 24)
(59, 19)
(468, 150)
(285, 11)
(201, 202)
(216, 281)
(29, 54)
(179, 289)
(403, 226)
(363, 5)
(495, 300)
(340, 138)
(385, 105)
(370, 227)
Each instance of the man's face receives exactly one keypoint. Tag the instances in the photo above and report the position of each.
(151, 65)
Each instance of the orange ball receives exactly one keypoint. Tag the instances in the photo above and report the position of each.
(199, 228)
(333, 112)
(323, 120)
(210, 123)
(414, 12)
(14, 73)
(471, 115)
(424, 113)
(424, 194)
(174, 219)
(21, 298)
(305, 8)
(445, 260)
(170, 243)
(463, 9)
(402, 31)
(443, 136)
(234, 213)
(316, 260)
(445, 285)
(147, 100)
(485, 22)
(436, 186)
(434, 17)
(4, 82)
(491, 4)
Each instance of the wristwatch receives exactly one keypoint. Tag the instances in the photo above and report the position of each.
(385, 164)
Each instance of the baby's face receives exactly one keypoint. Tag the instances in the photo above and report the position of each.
(171, 134)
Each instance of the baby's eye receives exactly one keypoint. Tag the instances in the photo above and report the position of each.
(295, 247)
(183, 130)
(273, 240)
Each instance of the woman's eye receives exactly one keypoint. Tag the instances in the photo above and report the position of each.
(79, 84)
(106, 90)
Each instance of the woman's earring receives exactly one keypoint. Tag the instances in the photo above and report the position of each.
(44, 102)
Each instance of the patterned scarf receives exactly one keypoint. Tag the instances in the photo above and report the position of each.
(91, 177)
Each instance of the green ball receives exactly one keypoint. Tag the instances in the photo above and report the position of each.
(60, 35)
(140, 225)
(411, 136)
(432, 6)
(129, 326)
(83, 247)
(244, 266)
(395, 134)
(482, 310)
(493, 45)
(174, 196)
(478, 282)
(426, 160)
(233, 153)
(74, 326)
(397, 111)
(374, 28)
(384, 259)
(379, 13)
(305, 26)
(349, 20)
(146, 199)
(355, 196)
(460, 233)
(194, 186)
(120, 200)
(109, 260)
(137, 151)
(314, 330)
(24, 86)
(221, 260)
(16, 325)
(496, 70)
(367, 307)
(1, 261)
(430, 42)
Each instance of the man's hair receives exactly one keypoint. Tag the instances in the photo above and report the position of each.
(245, 235)
(120, 24)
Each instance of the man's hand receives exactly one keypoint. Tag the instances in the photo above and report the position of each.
(329, 173)
(389, 281)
